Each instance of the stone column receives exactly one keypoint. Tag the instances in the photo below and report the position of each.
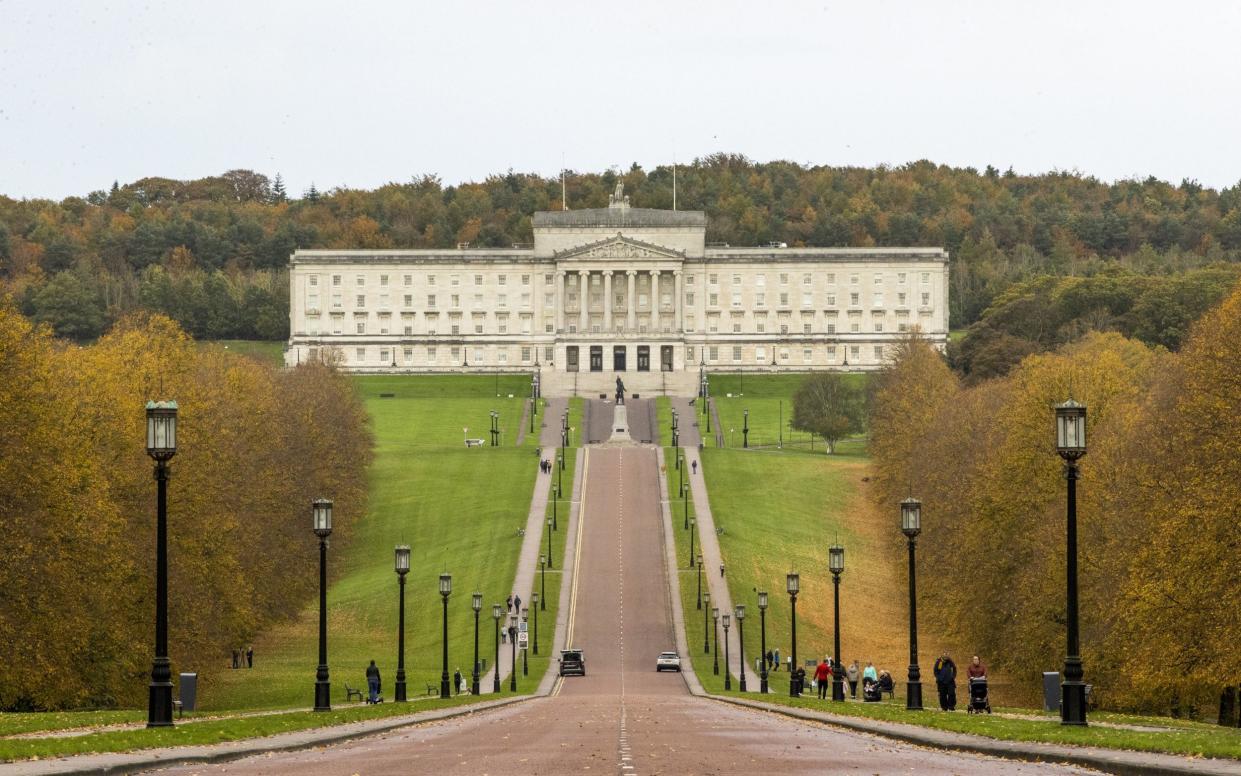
(607, 300)
(583, 298)
(654, 305)
(560, 301)
(678, 303)
(631, 322)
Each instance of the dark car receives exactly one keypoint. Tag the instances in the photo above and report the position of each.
(572, 662)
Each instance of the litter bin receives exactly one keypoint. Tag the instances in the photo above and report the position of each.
(189, 691)
(1051, 691)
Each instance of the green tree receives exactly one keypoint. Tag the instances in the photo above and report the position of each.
(828, 405)
(71, 307)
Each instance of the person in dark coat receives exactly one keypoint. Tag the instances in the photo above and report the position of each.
(456, 680)
(372, 682)
(508, 602)
(946, 682)
(249, 657)
(236, 658)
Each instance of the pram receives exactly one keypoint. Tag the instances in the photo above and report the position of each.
(870, 691)
(979, 700)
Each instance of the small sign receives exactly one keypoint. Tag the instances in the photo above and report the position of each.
(523, 626)
(523, 640)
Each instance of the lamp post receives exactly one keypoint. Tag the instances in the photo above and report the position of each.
(692, 523)
(477, 605)
(740, 612)
(512, 630)
(836, 564)
(706, 611)
(534, 600)
(675, 433)
(497, 612)
(161, 446)
(543, 581)
(685, 499)
(560, 468)
(495, 427)
(680, 472)
(533, 412)
(911, 526)
(445, 591)
(728, 675)
(549, 542)
(715, 640)
(699, 580)
(706, 402)
(762, 629)
(402, 568)
(321, 514)
(745, 429)
(792, 582)
(525, 661)
(1071, 445)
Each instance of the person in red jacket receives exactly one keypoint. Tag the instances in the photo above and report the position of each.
(823, 677)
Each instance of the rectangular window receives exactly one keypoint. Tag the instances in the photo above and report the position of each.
(360, 326)
(336, 280)
(549, 279)
(900, 278)
(879, 352)
(314, 280)
(878, 279)
(361, 300)
(478, 280)
(338, 323)
(409, 280)
(876, 299)
(878, 326)
(853, 279)
(383, 280)
(503, 280)
(926, 278)
(831, 299)
(432, 353)
(384, 301)
(831, 328)
(807, 280)
(502, 322)
(853, 299)
(713, 278)
(805, 328)
(737, 299)
(760, 299)
(784, 299)
(525, 280)
(736, 352)
(784, 278)
(831, 277)
(549, 354)
(408, 355)
(502, 358)
(431, 300)
(454, 280)
(760, 354)
(383, 355)
(384, 323)
(900, 299)
(807, 299)
(689, 354)
(525, 359)
(456, 300)
(361, 280)
(409, 329)
(430, 280)
(736, 280)
(713, 323)
(503, 300)
(736, 327)
(360, 355)
(855, 351)
(713, 300)
(689, 298)
(926, 299)
(805, 355)
(336, 300)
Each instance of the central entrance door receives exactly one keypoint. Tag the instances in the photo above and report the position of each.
(596, 358)
(644, 358)
(618, 358)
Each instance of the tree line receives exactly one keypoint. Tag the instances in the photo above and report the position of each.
(1157, 508)
(82, 263)
(255, 446)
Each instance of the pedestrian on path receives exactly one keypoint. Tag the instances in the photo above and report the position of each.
(456, 680)
(822, 674)
(769, 659)
(946, 682)
(508, 602)
(694, 466)
(517, 603)
(775, 666)
(976, 669)
(721, 569)
(372, 682)
(853, 673)
(504, 635)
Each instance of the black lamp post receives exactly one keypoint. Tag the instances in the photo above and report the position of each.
(680, 473)
(402, 568)
(728, 674)
(762, 629)
(543, 581)
(715, 640)
(512, 631)
(700, 580)
(555, 508)
(1071, 445)
(549, 543)
(534, 601)
(745, 429)
(560, 468)
(740, 612)
(495, 428)
(692, 524)
(793, 584)
(477, 605)
(497, 612)
(836, 564)
(685, 501)
(706, 402)
(533, 412)
(161, 446)
(911, 526)
(675, 433)
(525, 661)
(321, 513)
(445, 591)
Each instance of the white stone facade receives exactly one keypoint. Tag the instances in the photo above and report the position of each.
(615, 290)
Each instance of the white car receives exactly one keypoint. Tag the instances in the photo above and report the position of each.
(668, 661)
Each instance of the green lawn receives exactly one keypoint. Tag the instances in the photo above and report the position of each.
(769, 400)
(663, 421)
(263, 350)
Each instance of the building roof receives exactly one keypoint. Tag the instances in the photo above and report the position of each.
(619, 217)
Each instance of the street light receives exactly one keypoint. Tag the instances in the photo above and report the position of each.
(512, 632)
(1071, 445)
(161, 446)
(549, 542)
(534, 600)
(762, 655)
(445, 591)
(685, 501)
(745, 429)
(792, 583)
(525, 661)
(555, 507)
(728, 674)
(740, 612)
(706, 610)
(543, 581)
(700, 580)
(477, 605)
(402, 568)
(715, 639)
(911, 526)
(321, 517)
(497, 612)
(836, 565)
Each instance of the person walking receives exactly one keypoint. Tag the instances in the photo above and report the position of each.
(853, 673)
(822, 677)
(517, 604)
(694, 466)
(249, 657)
(372, 682)
(976, 669)
(775, 665)
(721, 569)
(767, 657)
(236, 658)
(508, 602)
(456, 680)
(946, 682)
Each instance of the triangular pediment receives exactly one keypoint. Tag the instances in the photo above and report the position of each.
(620, 247)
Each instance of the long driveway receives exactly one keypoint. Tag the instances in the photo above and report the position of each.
(622, 717)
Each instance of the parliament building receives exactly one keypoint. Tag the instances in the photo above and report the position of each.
(620, 290)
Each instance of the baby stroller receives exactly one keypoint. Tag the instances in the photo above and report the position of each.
(870, 691)
(979, 701)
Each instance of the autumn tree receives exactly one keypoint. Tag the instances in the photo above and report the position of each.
(828, 405)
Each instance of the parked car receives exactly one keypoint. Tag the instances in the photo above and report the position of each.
(572, 662)
(668, 661)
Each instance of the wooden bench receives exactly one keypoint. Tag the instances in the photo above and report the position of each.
(475, 443)
(350, 692)
(433, 689)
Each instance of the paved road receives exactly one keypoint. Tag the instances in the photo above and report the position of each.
(622, 718)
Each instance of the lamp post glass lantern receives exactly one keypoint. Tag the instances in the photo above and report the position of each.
(691, 541)
(476, 603)
(321, 520)
(740, 612)
(762, 647)
(497, 612)
(911, 526)
(706, 612)
(402, 568)
(445, 591)
(161, 446)
(792, 582)
(715, 640)
(1071, 446)
(728, 674)
(836, 564)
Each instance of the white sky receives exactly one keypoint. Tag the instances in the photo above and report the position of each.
(361, 93)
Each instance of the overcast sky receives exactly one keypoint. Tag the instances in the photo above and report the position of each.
(361, 93)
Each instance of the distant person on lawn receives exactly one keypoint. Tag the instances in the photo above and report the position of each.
(822, 675)
(456, 678)
(946, 682)
(249, 657)
(372, 682)
(853, 673)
